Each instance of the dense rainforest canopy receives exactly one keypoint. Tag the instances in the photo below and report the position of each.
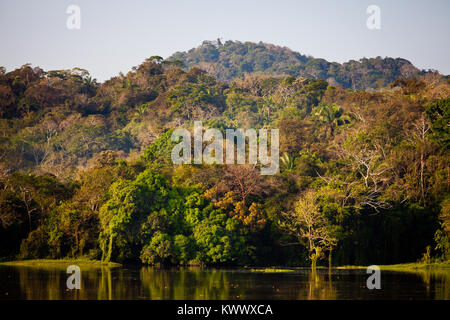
(85, 168)
(232, 59)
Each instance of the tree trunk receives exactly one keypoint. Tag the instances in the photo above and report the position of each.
(315, 257)
(110, 245)
(329, 258)
(422, 165)
(313, 262)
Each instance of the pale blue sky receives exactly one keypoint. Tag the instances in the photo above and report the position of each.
(116, 35)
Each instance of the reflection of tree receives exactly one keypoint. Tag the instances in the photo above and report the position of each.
(442, 287)
(437, 281)
(40, 283)
(104, 291)
(320, 287)
(49, 283)
(189, 283)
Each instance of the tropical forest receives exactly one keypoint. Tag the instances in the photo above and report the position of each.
(364, 173)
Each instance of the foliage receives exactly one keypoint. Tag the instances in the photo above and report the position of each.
(85, 167)
(439, 114)
(234, 59)
(308, 223)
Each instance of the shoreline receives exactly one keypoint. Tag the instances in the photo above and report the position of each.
(412, 266)
(60, 262)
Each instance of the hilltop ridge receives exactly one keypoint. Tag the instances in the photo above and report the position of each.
(233, 59)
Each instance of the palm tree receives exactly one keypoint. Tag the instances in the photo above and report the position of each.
(89, 84)
(331, 116)
(287, 161)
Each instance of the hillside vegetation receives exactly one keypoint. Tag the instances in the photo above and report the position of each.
(85, 169)
(234, 59)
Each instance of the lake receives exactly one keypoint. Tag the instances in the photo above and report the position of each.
(22, 282)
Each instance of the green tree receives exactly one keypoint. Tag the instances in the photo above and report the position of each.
(439, 114)
(307, 223)
(331, 116)
(122, 216)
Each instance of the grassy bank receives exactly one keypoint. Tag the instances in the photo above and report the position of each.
(271, 270)
(413, 266)
(404, 267)
(61, 263)
(417, 266)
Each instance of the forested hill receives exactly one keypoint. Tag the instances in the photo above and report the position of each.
(233, 59)
(85, 169)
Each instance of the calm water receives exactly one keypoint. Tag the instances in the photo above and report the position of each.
(196, 283)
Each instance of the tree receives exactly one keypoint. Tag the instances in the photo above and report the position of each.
(442, 235)
(287, 161)
(307, 223)
(331, 116)
(124, 214)
(80, 227)
(157, 59)
(421, 128)
(295, 135)
(218, 240)
(368, 160)
(160, 150)
(244, 180)
(439, 114)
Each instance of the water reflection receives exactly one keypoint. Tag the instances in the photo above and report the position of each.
(437, 282)
(217, 284)
(320, 287)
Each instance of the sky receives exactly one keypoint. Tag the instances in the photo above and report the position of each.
(116, 35)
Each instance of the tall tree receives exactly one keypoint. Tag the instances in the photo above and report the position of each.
(307, 223)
